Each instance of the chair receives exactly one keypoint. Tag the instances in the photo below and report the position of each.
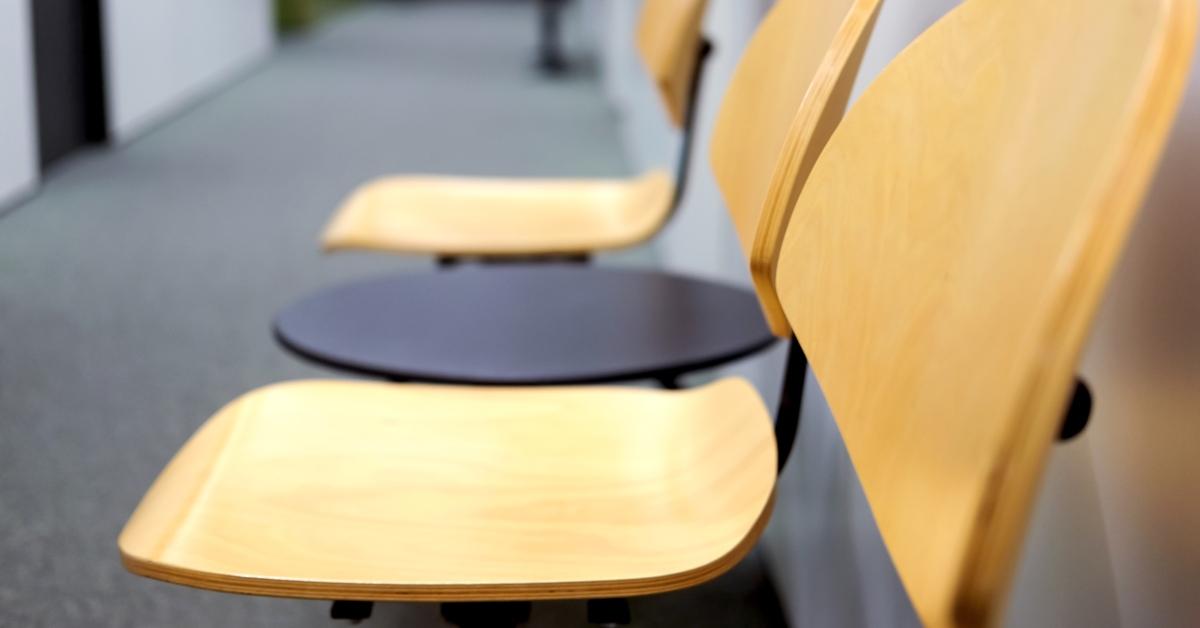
(543, 219)
(945, 260)
(569, 324)
(940, 268)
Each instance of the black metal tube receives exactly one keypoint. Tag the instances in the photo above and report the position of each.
(683, 165)
(787, 417)
(550, 53)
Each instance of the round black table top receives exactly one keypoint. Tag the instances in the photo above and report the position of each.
(525, 325)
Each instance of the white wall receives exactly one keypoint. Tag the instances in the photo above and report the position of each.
(161, 54)
(1114, 536)
(1144, 364)
(18, 126)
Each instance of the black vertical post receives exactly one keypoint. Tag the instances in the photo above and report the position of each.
(787, 417)
(95, 119)
(550, 56)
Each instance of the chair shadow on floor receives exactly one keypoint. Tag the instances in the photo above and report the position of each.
(745, 597)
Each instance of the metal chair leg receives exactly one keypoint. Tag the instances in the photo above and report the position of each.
(354, 612)
(609, 613)
(550, 56)
(487, 614)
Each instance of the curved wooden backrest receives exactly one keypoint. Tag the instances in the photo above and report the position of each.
(946, 257)
(785, 99)
(668, 39)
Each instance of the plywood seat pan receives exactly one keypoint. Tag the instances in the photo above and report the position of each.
(375, 491)
(493, 216)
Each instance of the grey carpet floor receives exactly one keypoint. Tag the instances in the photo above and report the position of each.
(137, 287)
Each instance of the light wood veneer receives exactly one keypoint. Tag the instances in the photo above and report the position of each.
(469, 216)
(355, 490)
(806, 56)
(947, 254)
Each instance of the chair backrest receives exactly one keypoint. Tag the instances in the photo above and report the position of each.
(785, 98)
(669, 39)
(945, 259)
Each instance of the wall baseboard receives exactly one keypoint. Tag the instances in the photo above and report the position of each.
(14, 199)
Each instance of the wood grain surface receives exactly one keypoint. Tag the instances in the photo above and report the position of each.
(358, 490)
(947, 254)
(490, 216)
(786, 97)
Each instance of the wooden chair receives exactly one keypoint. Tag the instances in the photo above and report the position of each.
(553, 324)
(945, 259)
(544, 219)
(940, 268)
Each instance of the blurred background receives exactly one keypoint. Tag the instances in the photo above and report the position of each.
(167, 165)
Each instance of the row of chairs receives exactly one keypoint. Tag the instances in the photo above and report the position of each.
(936, 254)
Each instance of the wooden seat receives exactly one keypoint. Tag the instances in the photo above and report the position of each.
(365, 491)
(471, 216)
(498, 217)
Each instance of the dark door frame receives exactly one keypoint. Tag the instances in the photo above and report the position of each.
(68, 44)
